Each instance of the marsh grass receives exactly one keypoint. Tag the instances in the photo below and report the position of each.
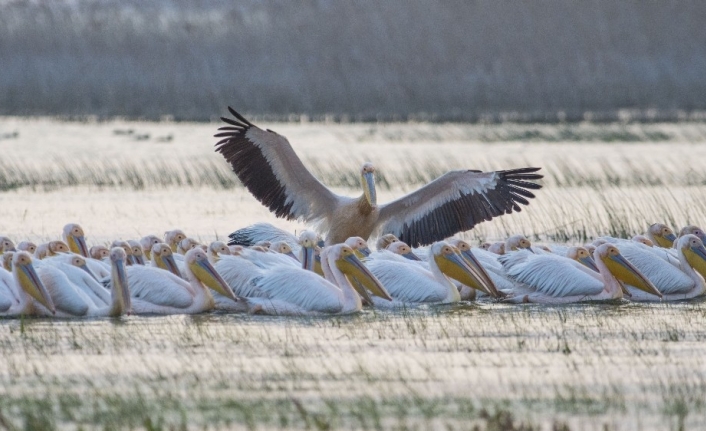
(485, 367)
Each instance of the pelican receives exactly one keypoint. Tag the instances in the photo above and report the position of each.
(27, 246)
(147, 242)
(155, 291)
(402, 249)
(686, 230)
(294, 291)
(28, 288)
(73, 298)
(137, 255)
(359, 246)
(186, 244)
(6, 244)
(385, 240)
(517, 242)
(497, 248)
(99, 252)
(51, 248)
(79, 274)
(268, 166)
(75, 239)
(685, 284)
(411, 283)
(661, 235)
(658, 264)
(163, 258)
(7, 260)
(217, 249)
(485, 283)
(282, 247)
(172, 238)
(551, 279)
(582, 256)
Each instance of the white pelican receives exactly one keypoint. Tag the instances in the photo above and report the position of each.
(688, 283)
(147, 242)
(72, 295)
(128, 250)
(411, 283)
(217, 249)
(137, 255)
(7, 260)
(658, 264)
(582, 256)
(268, 166)
(661, 235)
(27, 246)
(79, 274)
(163, 258)
(385, 240)
(497, 248)
(75, 239)
(172, 238)
(282, 247)
(686, 230)
(517, 242)
(359, 246)
(51, 248)
(28, 288)
(294, 291)
(99, 252)
(643, 240)
(6, 244)
(402, 249)
(259, 233)
(155, 291)
(552, 279)
(186, 244)
(485, 284)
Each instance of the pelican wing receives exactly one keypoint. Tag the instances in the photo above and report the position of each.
(555, 276)
(258, 232)
(455, 202)
(407, 282)
(158, 287)
(270, 169)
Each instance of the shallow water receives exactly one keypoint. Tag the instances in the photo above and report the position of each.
(613, 366)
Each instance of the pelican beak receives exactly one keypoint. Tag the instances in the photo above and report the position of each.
(147, 254)
(370, 193)
(354, 268)
(411, 256)
(207, 274)
(365, 251)
(85, 268)
(362, 291)
(120, 284)
(77, 244)
(290, 254)
(454, 266)
(666, 241)
(696, 256)
(624, 271)
(140, 260)
(32, 284)
(471, 261)
(317, 265)
(170, 265)
(588, 262)
(308, 258)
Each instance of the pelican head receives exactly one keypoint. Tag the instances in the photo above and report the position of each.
(216, 249)
(29, 281)
(485, 245)
(348, 263)
(147, 242)
(308, 240)
(693, 230)
(385, 240)
(693, 249)
(6, 244)
(452, 264)
(137, 255)
(517, 242)
(359, 246)
(661, 235)
(80, 262)
(7, 260)
(265, 245)
(235, 250)
(590, 247)
(367, 178)
(497, 248)
(99, 252)
(622, 269)
(128, 250)
(643, 240)
(172, 238)
(186, 244)
(582, 256)
(283, 248)
(75, 239)
(199, 268)
(56, 247)
(401, 248)
(487, 284)
(27, 246)
(120, 289)
(162, 257)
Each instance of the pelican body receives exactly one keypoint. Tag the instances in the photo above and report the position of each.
(270, 169)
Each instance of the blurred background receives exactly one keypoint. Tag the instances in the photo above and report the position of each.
(597, 60)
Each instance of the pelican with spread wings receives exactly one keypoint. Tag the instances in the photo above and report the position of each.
(458, 200)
